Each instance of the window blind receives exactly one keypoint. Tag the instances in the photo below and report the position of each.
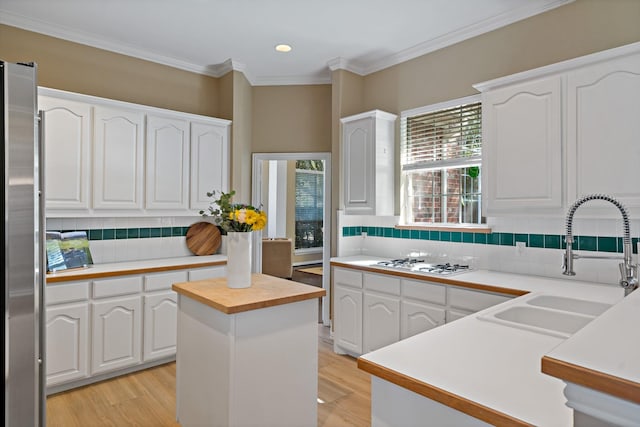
(450, 136)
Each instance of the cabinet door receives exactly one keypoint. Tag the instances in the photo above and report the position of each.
(347, 319)
(160, 320)
(117, 160)
(381, 321)
(116, 329)
(209, 162)
(522, 147)
(167, 147)
(67, 135)
(358, 160)
(603, 128)
(67, 335)
(418, 317)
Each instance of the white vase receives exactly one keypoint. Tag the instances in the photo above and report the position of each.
(239, 259)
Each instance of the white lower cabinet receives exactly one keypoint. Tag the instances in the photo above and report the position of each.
(67, 332)
(381, 321)
(347, 310)
(381, 311)
(116, 333)
(423, 307)
(372, 310)
(67, 347)
(160, 320)
(160, 315)
(418, 317)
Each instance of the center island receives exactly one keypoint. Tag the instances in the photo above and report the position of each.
(247, 357)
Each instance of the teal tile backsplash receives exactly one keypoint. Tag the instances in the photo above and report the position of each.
(548, 241)
(139, 233)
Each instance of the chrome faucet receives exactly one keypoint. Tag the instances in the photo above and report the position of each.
(628, 270)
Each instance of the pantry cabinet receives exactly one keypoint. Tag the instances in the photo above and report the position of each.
(560, 132)
(368, 163)
(111, 158)
(67, 135)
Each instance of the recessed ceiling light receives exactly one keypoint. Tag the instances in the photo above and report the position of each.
(283, 48)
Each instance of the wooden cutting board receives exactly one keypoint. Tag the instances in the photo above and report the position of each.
(203, 238)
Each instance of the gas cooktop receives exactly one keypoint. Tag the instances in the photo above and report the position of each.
(422, 266)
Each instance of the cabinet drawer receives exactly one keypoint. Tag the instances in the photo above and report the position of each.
(474, 300)
(207, 273)
(114, 287)
(67, 292)
(163, 281)
(382, 283)
(424, 291)
(346, 277)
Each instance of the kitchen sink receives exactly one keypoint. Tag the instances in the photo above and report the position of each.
(547, 314)
(591, 308)
(563, 323)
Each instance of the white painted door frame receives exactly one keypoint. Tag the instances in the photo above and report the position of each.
(256, 197)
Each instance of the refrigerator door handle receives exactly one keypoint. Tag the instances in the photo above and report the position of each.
(42, 263)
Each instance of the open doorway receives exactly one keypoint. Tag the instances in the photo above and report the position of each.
(295, 190)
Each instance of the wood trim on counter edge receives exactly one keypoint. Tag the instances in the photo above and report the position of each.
(609, 384)
(435, 279)
(61, 277)
(439, 395)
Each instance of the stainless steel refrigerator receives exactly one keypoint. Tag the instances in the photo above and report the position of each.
(23, 264)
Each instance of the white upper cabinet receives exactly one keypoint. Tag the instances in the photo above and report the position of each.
(368, 163)
(67, 136)
(117, 159)
(167, 180)
(112, 158)
(557, 133)
(209, 162)
(603, 131)
(522, 144)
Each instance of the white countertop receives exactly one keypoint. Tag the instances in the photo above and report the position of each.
(610, 344)
(133, 266)
(498, 366)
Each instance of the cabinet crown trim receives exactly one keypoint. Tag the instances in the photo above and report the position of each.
(378, 114)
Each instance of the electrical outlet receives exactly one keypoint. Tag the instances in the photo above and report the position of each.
(520, 247)
(363, 234)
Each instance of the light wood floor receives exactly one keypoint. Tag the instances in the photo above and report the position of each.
(147, 398)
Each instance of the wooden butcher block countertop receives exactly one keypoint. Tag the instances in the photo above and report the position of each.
(265, 291)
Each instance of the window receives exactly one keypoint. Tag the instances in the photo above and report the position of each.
(309, 203)
(441, 155)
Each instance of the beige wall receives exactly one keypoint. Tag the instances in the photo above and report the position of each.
(292, 119)
(78, 68)
(577, 29)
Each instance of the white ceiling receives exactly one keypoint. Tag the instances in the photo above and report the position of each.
(214, 36)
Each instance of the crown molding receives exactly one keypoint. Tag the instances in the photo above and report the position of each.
(218, 70)
(449, 39)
